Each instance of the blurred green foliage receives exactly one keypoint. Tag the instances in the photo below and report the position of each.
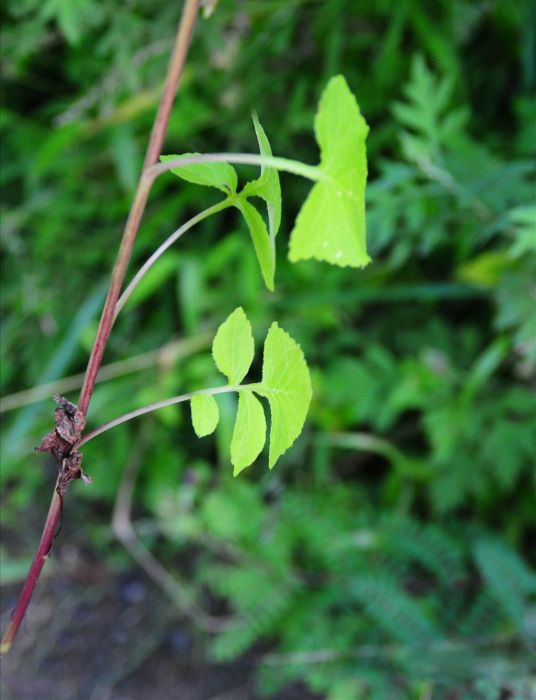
(388, 555)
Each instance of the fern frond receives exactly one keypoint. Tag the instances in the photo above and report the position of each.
(396, 613)
(428, 545)
(509, 581)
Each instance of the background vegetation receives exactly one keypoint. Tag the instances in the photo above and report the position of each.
(389, 555)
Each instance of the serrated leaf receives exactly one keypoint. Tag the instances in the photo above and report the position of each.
(249, 433)
(260, 238)
(222, 176)
(331, 223)
(287, 386)
(233, 346)
(267, 185)
(205, 414)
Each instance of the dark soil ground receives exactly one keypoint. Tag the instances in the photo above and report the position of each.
(93, 634)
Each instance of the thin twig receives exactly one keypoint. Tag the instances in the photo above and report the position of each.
(176, 64)
(169, 352)
(163, 247)
(35, 570)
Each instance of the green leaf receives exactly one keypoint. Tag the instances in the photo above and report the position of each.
(260, 238)
(287, 386)
(267, 185)
(331, 223)
(219, 175)
(205, 414)
(249, 434)
(233, 346)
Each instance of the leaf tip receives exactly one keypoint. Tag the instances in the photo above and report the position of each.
(239, 468)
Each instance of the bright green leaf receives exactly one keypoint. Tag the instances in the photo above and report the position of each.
(220, 175)
(249, 433)
(233, 346)
(326, 229)
(331, 223)
(267, 185)
(287, 386)
(205, 414)
(260, 238)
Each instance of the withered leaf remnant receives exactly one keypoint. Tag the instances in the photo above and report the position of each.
(61, 443)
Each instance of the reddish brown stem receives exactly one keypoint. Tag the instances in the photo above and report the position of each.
(176, 65)
(118, 275)
(35, 570)
(175, 68)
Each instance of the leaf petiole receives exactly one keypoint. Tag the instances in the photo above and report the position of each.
(296, 167)
(154, 407)
(224, 204)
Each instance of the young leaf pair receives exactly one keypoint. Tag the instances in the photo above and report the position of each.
(331, 223)
(223, 177)
(285, 383)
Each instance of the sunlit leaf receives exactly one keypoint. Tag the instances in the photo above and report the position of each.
(249, 433)
(287, 386)
(233, 347)
(205, 414)
(220, 175)
(267, 185)
(260, 238)
(331, 223)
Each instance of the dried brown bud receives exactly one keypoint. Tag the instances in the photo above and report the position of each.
(61, 441)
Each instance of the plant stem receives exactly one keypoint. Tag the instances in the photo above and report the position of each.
(35, 570)
(153, 407)
(175, 68)
(162, 248)
(174, 72)
(176, 64)
(118, 274)
(296, 167)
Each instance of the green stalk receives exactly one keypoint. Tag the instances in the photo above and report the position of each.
(165, 245)
(296, 167)
(153, 407)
